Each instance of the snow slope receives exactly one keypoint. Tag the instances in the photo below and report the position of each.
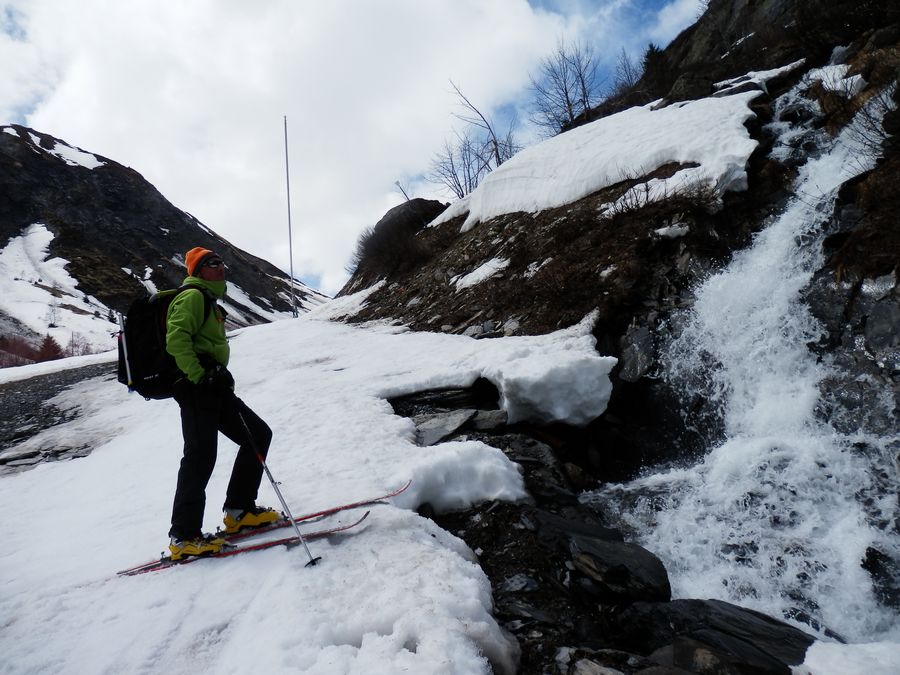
(708, 133)
(38, 291)
(399, 595)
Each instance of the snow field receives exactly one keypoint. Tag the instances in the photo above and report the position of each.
(396, 595)
(709, 132)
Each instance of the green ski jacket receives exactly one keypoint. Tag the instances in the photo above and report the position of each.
(188, 335)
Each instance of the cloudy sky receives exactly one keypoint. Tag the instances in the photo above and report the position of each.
(193, 96)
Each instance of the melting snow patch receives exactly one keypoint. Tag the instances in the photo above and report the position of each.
(485, 271)
(534, 267)
(831, 77)
(673, 231)
(758, 77)
(38, 291)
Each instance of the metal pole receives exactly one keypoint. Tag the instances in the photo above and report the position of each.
(287, 176)
(397, 183)
(262, 460)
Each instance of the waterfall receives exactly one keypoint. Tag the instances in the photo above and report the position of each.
(772, 517)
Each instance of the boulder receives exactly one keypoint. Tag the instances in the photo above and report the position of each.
(433, 428)
(709, 636)
(617, 572)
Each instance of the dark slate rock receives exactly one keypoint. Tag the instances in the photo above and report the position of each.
(638, 355)
(558, 532)
(882, 329)
(884, 569)
(620, 572)
(435, 427)
(749, 641)
(27, 411)
(691, 86)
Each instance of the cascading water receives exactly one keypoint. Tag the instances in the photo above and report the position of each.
(772, 518)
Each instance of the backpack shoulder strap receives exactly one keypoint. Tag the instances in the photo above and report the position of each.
(208, 301)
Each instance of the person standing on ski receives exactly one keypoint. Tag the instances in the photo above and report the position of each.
(195, 337)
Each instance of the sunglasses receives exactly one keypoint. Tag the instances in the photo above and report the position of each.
(215, 263)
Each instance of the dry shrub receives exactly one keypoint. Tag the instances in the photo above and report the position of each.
(383, 251)
(691, 198)
(394, 244)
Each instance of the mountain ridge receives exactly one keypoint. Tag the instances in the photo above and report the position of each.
(114, 236)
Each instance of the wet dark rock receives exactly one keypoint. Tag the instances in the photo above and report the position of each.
(716, 636)
(861, 322)
(562, 577)
(885, 572)
(435, 427)
(27, 411)
(882, 331)
(620, 572)
(638, 355)
(691, 86)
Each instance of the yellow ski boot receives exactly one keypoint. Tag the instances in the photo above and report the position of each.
(237, 520)
(198, 546)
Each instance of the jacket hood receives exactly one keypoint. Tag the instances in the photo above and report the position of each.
(216, 288)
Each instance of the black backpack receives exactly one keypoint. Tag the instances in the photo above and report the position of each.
(144, 364)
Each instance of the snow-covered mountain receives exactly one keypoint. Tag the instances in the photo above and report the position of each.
(81, 236)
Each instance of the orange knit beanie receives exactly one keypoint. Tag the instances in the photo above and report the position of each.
(195, 257)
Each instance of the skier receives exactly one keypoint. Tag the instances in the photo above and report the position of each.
(196, 339)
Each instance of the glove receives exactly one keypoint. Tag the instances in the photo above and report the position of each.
(217, 378)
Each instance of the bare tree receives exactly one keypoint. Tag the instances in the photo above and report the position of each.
(627, 73)
(566, 86)
(500, 148)
(459, 166)
(479, 149)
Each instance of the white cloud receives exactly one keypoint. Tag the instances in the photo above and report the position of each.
(192, 95)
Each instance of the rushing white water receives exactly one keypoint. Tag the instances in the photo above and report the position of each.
(771, 518)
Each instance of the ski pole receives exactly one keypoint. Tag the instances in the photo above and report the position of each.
(125, 352)
(262, 460)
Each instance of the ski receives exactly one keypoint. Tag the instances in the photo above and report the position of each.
(252, 532)
(165, 562)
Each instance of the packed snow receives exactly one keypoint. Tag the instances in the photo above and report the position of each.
(396, 595)
(709, 132)
(38, 291)
(757, 78)
(481, 273)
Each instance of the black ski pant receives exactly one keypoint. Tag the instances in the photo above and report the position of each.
(204, 413)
